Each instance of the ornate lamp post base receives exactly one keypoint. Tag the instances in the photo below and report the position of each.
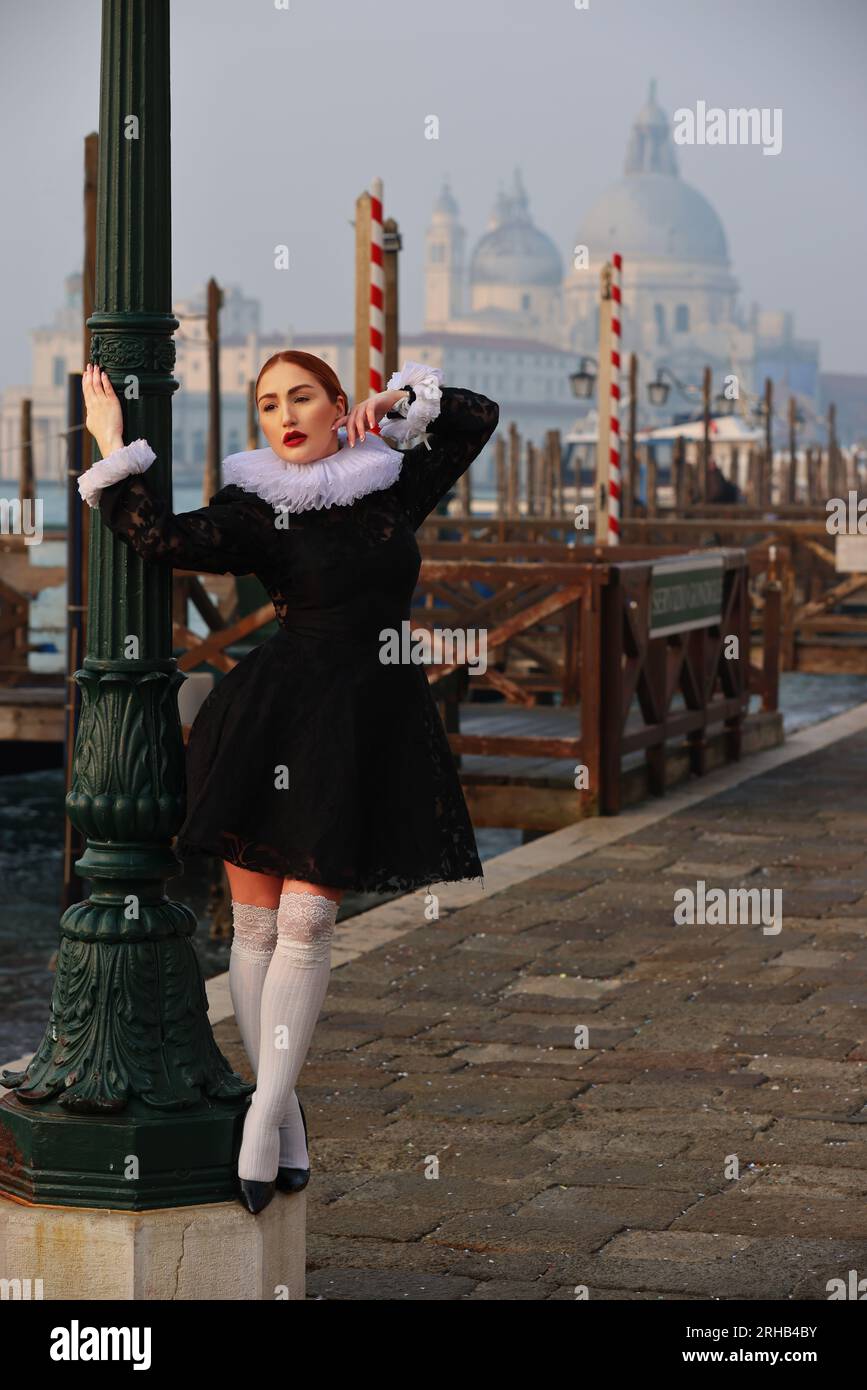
(128, 1101)
(135, 1160)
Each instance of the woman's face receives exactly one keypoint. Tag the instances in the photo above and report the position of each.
(296, 415)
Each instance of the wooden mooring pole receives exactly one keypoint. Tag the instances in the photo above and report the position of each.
(25, 457)
(768, 469)
(391, 246)
(212, 482)
(704, 458)
(603, 405)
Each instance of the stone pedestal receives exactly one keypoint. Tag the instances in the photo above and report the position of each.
(213, 1251)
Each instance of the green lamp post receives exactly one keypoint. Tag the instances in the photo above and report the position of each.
(128, 1102)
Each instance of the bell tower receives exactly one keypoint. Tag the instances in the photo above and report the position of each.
(444, 268)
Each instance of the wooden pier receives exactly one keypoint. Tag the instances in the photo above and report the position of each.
(577, 689)
(552, 607)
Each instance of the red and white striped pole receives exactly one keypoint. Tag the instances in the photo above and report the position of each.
(614, 473)
(377, 291)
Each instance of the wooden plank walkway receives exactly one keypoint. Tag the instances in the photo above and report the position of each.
(610, 1167)
(541, 721)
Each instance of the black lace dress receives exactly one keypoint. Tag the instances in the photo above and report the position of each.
(311, 758)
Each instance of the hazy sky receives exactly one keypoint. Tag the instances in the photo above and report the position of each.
(280, 118)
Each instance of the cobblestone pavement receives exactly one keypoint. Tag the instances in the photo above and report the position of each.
(611, 1166)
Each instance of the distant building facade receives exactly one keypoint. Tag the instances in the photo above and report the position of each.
(527, 379)
(505, 316)
(680, 296)
(57, 350)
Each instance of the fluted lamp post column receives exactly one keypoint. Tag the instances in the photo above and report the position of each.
(128, 1102)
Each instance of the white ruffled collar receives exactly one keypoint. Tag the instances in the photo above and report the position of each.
(370, 465)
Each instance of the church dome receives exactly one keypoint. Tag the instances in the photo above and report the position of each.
(654, 216)
(651, 213)
(514, 251)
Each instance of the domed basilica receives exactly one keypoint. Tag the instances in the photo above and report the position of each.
(681, 307)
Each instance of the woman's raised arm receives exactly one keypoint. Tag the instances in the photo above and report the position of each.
(223, 538)
(445, 428)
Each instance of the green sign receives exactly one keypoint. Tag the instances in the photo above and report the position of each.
(685, 592)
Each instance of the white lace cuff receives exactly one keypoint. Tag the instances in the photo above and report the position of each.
(132, 458)
(425, 382)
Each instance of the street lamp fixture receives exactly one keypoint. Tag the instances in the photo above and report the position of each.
(657, 391)
(584, 380)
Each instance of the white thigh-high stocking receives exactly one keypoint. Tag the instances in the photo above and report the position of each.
(295, 986)
(253, 942)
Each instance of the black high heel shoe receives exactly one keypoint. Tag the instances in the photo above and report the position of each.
(294, 1179)
(255, 1196)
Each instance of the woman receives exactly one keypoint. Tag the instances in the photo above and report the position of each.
(315, 765)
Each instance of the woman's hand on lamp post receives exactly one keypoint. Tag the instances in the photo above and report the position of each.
(104, 419)
(368, 413)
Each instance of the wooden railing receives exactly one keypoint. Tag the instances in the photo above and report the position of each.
(542, 623)
(548, 602)
(570, 625)
(817, 634)
(636, 667)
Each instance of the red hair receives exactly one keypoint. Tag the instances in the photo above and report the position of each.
(324, 374)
